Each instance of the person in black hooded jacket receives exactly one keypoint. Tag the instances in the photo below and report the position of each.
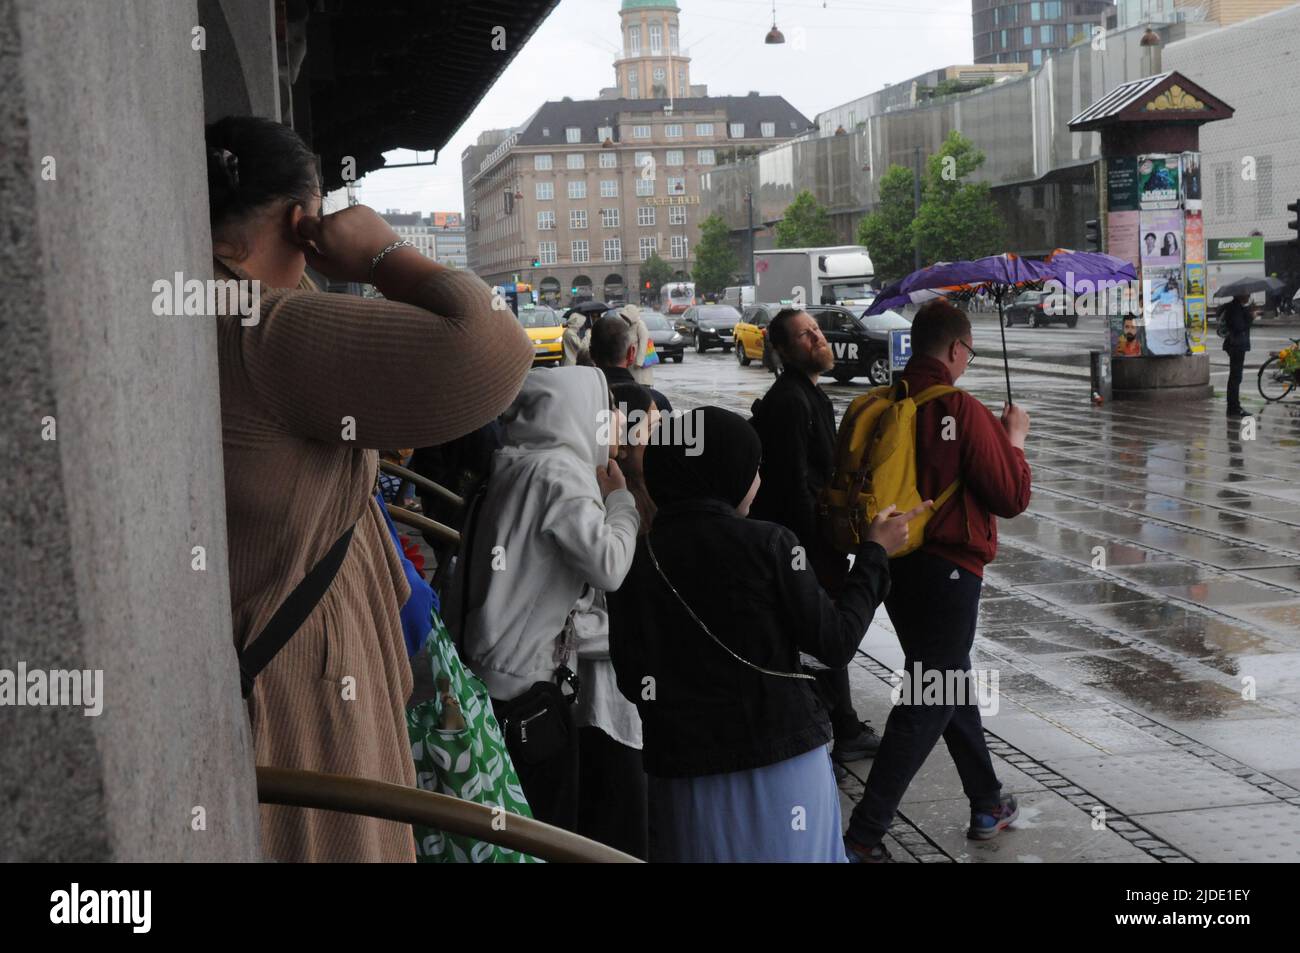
(705, 636)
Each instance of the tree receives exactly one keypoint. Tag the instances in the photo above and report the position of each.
(805, 224)
(656, 271)
(715, 262)
(887, 231)
(958, 219)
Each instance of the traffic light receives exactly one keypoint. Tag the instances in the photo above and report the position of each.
(537, 263)
(1092, 228)
(1294, 224)
(647, 286)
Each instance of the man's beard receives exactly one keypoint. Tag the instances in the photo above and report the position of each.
(818, 362)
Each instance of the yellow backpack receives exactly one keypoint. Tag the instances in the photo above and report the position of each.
(875, 465)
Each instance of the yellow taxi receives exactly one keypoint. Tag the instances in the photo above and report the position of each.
(751, 335)
(545, 331)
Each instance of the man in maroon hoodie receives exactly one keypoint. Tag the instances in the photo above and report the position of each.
(934, 597)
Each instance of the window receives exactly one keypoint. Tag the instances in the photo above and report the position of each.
(545, 191)
(705, 157)
(577, 218)
(572, 134)
(1028, 36)
(1069, 33)
(656, 38)
(676, 185)
(681, 81)
(609, 188)
(641, 159)
(645, 215)
(546, 253)
(647, 246)
(1045, 33)
(645, 186)
(673, 130)
(704, 129)
(1052, 9)
(677, 215)
(675, 157)
(545, 220)
(1038, 58)
(604, 132)
(608, 160)
(1035, 12)
(578, 190)
(1004, 39)
(633, 91)
(737, 130)
(679, 246)
(575, 160)
(579, 251)
(768, 130)
(634, 40)
(542, 163)
(609, 218)
(659, 74)
(672, 38)
(640, 132)
(546, 133)
(613, 248)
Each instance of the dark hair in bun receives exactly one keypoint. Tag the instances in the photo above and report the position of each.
(253, 162)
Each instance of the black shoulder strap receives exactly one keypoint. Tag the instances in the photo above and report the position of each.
(293, 612)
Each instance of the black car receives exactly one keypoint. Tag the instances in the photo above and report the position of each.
(710, 325)
(1036, 308)
(860, 343)
(669, 343)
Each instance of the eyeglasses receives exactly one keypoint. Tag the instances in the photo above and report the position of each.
(970, 360)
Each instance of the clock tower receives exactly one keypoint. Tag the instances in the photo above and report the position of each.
(651, 66)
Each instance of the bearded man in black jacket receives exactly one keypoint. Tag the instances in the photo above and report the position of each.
(796, 423)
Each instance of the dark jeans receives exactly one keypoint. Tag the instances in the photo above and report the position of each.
(1236, 364)
(551, 786)
(934, 615)
(612, 793)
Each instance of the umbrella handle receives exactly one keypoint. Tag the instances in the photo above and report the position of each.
(1006, 366)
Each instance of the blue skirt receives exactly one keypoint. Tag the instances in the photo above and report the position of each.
(788, 812)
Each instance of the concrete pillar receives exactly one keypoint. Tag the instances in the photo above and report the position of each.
(99, 524)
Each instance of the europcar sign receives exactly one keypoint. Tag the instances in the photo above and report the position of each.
(1236, 249)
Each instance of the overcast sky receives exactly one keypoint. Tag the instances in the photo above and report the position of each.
(835, 51)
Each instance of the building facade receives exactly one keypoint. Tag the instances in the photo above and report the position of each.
(1005, 31)
(439, 236)
(577, 197)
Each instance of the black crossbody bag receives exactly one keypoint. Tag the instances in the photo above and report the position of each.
(293, 612)
(539, 724)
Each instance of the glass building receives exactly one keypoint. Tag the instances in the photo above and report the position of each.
(1006, 32)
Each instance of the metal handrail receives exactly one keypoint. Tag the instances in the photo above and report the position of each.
(423, 524)
(395, 802)
(422, 482)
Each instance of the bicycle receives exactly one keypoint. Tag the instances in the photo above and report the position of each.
(1280, 374)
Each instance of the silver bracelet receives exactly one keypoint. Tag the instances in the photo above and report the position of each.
(374, 262)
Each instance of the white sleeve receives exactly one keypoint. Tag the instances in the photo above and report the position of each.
(598, 541)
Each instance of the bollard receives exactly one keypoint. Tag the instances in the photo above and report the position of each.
(1099, 376)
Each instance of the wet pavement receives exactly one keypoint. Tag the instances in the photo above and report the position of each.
(1143, 617)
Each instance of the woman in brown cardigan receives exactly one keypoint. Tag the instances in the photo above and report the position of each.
(311, 387)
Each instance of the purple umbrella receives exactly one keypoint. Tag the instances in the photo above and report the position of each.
(1002, 277)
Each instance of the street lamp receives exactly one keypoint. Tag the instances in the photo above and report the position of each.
(774, 35)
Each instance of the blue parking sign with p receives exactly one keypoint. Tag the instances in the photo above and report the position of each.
(900, 348)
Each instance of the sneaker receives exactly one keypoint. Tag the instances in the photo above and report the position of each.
(986, 824)
(858, 854)
(864, 744)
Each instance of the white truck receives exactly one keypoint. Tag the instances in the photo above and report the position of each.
(836, 274)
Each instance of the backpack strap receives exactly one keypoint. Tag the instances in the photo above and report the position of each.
(293, 612)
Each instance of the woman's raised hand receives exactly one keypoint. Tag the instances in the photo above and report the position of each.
(342, 244)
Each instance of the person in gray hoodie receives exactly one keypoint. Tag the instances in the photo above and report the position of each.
(555, 519)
